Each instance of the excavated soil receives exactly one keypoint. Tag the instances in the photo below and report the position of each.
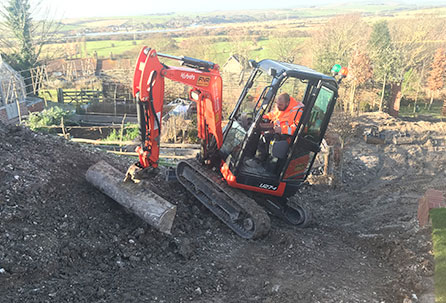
(63, 241)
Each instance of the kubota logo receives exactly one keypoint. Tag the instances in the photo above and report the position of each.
(187, 76)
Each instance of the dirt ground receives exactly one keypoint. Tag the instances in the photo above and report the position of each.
(63, 241)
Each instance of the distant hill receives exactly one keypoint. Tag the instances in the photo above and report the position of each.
(172, 20)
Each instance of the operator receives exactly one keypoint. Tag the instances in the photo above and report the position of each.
(284, 118)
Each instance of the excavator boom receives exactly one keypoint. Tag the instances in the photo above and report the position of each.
(205, 84)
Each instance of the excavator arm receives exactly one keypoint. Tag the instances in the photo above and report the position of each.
(205, 84)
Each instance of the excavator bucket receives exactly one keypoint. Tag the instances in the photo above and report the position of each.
(136, 197)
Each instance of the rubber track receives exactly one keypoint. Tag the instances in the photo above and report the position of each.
(234, 197)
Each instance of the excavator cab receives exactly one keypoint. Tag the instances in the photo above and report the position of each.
(289, 161)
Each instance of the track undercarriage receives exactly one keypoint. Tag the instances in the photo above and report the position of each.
(241, 213)
(244, 214)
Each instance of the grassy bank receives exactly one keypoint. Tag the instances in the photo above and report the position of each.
(439, 241)
(434, 112)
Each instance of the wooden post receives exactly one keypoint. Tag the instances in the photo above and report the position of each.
(326, 161)
(329, 164)
(62, 125)
(46, 76)
(382, 93)
(137, 198)
(8, 92)
(2, 95)
(18, 104)
(33, 83)
(174, 129)
(19, 111)
(38, 80)
(340, 174)
(122, 132)
(60, 98)
(114, 98)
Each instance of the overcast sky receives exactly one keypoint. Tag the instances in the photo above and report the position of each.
(103, 8)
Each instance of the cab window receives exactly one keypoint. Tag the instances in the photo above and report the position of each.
(318, 113)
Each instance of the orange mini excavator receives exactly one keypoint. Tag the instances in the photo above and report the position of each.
(239, 194)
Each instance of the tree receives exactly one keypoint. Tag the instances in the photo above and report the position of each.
(336, 41)
(411, 45)
(437, 73)
(161, 42)
(284, 47)
(24, 37)
(383, 56)
(360, 71)
(18, 21)
(380, 36)
(197, 47)
(241, 43)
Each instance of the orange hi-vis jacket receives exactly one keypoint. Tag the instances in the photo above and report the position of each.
(287, 119)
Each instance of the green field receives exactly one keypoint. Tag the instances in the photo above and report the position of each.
(434, 112)
(439, 241)
(219, 51)
(89, 23)
(103, 48)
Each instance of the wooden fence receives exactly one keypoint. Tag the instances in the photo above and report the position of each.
(79, 96)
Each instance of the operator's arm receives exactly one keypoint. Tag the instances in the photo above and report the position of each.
(268, 116)
(267, 125)
(290, 126)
